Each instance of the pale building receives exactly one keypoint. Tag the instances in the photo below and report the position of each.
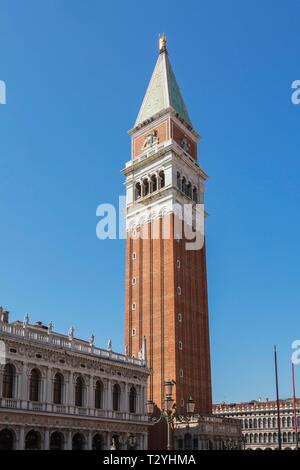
(208, 433)
(59, 392)
(259, 422)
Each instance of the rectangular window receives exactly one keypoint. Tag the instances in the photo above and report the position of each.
(181, 373)
(180, 345)
(133, 255)
(178, 263)
(179, 290)
(133, 306)
(133, 332)
(133, 281)
(179, 317)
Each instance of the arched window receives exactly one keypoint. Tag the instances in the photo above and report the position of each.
(33, 441)
(154, 183)
(7, 439)
(255, 423)
(145, 187)
(195, 195)
(284, 422)
(8, 381)
(178, 180)
(78, 442)
(97, 442)
(189, 190)
(99, 395)
(269, 423)
(116, 397)
(264, 423)
(162, 179)
(132, 400)
(138, 191)
(35, 385)
(56, 441)
(79, 389)
(58, 389)
(183, 184)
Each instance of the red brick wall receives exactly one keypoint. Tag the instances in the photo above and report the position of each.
(156, 316)
(177, 134)
(163, 134)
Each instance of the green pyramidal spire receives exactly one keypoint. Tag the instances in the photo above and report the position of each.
(163, 91)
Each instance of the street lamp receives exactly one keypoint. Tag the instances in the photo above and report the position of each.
(168, 413)
(190, 406)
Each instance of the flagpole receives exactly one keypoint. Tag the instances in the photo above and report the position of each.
(277, 400)
(295, 406)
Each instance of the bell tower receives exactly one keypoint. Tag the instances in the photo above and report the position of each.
(166, 282)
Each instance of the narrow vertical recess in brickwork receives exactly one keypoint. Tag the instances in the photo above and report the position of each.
(151, 301)
(140, 303)
(162, 325)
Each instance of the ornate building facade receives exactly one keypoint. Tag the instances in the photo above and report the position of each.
(59, 392)
(208, 433)
(166, 283)
(259, 422)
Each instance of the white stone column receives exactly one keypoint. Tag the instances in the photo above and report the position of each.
(70, 390)
(24, 386)
(142, 407)
(145, 441)
(46, 439)
(108, 440)
(90, 441)
(125, 399)
(21, 445)
(91, 394)
(69, 440)
(49, 387)
(109, 395)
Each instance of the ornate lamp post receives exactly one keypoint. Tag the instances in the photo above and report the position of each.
(168, 413)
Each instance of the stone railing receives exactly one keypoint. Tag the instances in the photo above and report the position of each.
(70, 410)
(62, 342)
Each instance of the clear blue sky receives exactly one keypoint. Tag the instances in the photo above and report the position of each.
(76, 72)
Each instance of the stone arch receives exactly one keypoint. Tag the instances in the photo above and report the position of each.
(33, 440)
(7, 439)
(79, 391)
(35, 381)
(78, 441)
(132, 400)
(9, 381)
(58, 385)
(137, 191)
(57, 441)
(154, 183)
(162, 180)
(99, 394)
(98, 442)
(116, 397)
